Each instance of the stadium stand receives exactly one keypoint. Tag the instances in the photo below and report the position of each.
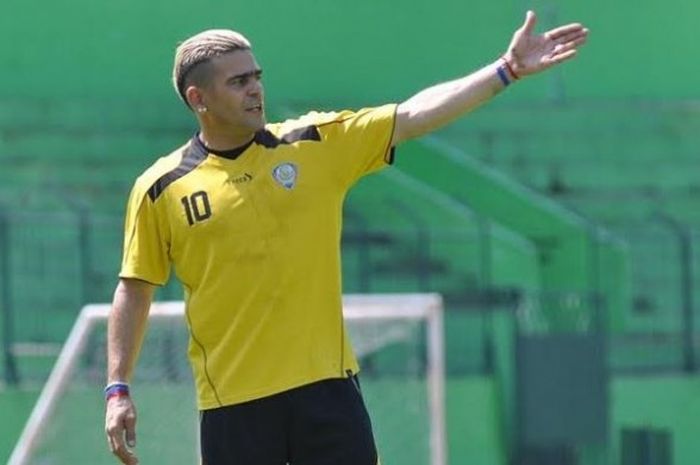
(441, 220)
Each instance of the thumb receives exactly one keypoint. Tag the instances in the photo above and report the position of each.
(529, 24)
(130, 428)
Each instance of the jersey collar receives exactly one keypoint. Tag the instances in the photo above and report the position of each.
(231, 154)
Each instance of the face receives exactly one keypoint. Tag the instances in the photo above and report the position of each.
(233, 94)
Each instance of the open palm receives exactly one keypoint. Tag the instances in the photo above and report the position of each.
(529, 53)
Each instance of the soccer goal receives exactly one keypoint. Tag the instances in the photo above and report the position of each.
(397, 337)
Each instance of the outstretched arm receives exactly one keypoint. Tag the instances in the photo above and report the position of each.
(527, 54)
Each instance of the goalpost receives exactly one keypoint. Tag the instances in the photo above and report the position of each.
(397, 337)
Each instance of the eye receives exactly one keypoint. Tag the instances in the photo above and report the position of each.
(243, 80)
(240, 81)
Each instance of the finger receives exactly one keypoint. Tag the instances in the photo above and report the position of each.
(124, 454)
(562, 48)
(529, 25)
(118, 447)
(130, 427)
(572, 37)
(559, 58)
(111, 445)
(556, 33)
(127, 457)
(115, 434)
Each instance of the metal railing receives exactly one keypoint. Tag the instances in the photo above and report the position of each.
(51, 263)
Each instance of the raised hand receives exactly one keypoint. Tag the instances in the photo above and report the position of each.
(529, 53)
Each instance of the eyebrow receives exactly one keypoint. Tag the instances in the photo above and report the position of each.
(255, 72)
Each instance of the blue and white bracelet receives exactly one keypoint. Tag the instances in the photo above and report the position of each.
(118, 389)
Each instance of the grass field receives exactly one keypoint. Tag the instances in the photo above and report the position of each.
(167, 429)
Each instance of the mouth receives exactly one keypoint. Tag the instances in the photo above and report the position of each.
(255, 109)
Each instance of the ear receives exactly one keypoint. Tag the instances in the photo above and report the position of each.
(194, 97)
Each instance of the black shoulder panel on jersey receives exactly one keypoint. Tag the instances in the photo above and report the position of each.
(269, 140)
(192, 156)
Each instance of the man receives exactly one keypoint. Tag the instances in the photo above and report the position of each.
(248, 214)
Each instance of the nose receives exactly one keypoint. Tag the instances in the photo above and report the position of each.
(255, 87)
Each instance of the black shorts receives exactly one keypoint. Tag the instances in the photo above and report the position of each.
(324, 423)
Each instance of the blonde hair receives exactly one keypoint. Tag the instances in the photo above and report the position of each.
(199, 49)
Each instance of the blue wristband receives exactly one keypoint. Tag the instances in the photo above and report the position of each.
(116, 390)
(116, 384)
(502, 74)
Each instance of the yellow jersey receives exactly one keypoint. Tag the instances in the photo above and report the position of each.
(253, 235)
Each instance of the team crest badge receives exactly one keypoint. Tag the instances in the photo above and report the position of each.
(285, 174)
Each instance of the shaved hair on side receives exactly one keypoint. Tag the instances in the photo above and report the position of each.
(193, 56)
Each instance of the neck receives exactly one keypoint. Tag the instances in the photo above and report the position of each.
(224, 138)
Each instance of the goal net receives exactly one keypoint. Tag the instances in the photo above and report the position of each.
(397, 337)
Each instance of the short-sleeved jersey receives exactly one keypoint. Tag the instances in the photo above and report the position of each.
(255, 241)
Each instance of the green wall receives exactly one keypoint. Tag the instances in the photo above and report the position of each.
(670, 402)
(473, 424)
(369, 50)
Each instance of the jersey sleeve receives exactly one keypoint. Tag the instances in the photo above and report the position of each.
(359, 142)
(146, 244)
